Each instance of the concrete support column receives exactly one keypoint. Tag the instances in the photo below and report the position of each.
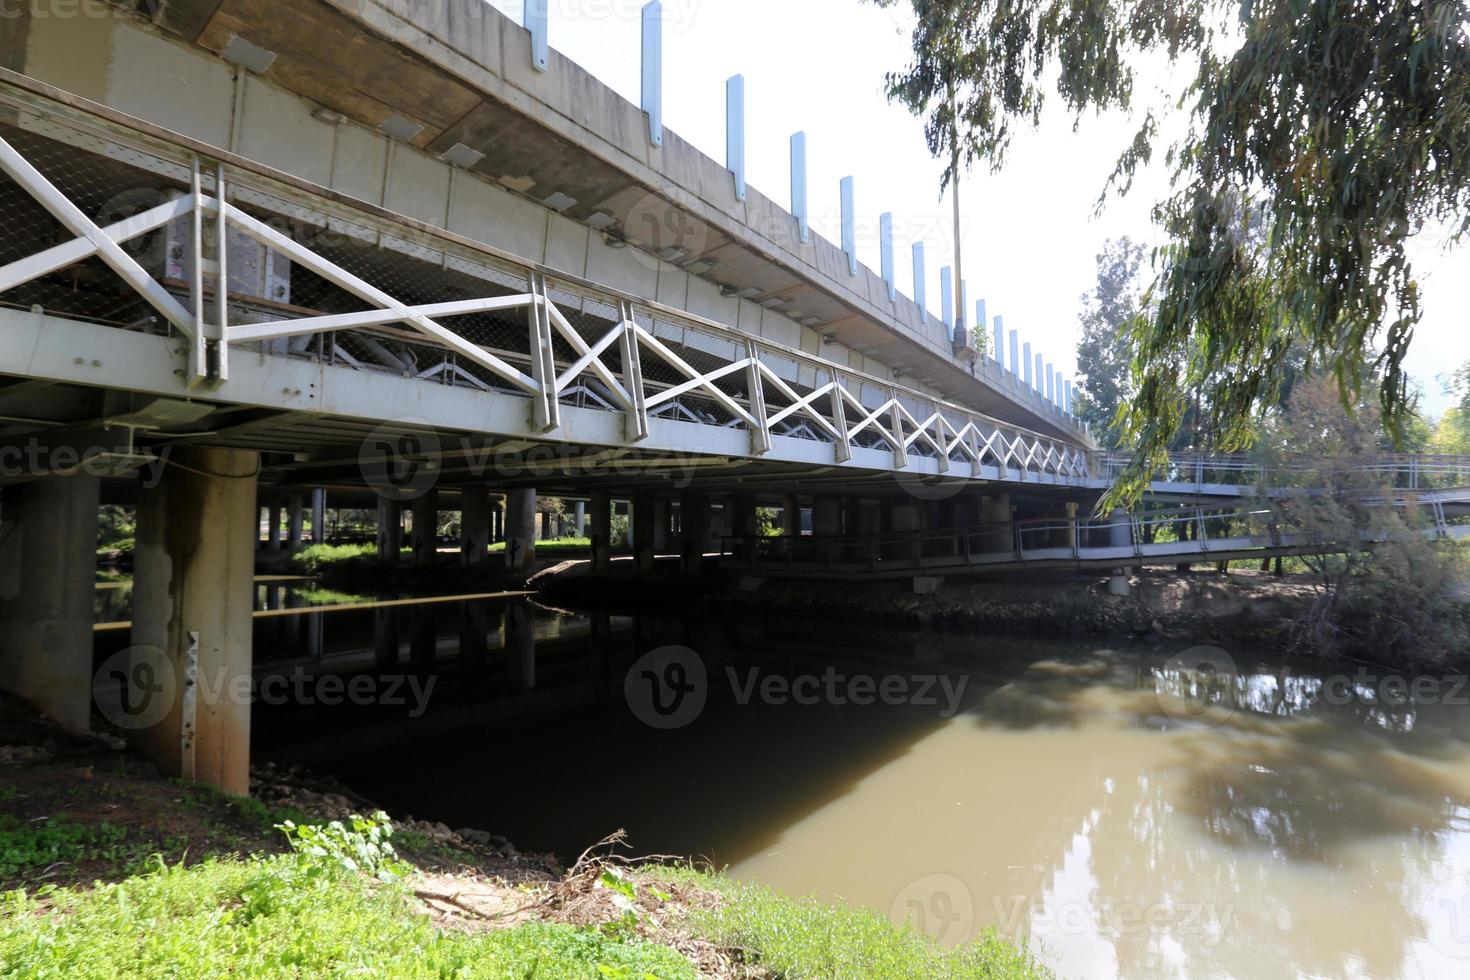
(319, 516)
(520, 529)
(390, 529)
(827, 516)
(907, 518)
(642, 519)
(425, 528)
(1120, 535)
(273, 535)
(474, 526)
(579, 518)
(694, 525)
(48, 561)
(497, 521)
(601, 530)
(744, 524)
(663, 516)
(1070, 538)
(295, 520)
(193, 592)
(790, 515)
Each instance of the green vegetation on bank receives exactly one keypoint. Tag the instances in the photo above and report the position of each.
(343, 901)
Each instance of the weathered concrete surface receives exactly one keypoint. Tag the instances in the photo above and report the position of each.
(520, 529)
(193, 588)
(48, 560)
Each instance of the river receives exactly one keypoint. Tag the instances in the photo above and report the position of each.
(1132, 810)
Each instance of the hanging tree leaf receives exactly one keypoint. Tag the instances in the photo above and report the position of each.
(1323, 135)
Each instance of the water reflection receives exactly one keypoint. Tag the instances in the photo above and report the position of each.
(1076, 799)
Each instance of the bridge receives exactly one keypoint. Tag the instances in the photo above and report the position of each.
(408, 256)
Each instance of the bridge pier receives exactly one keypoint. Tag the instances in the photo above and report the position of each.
(48, 558)
(273, 534)
(601, 535)
(425, 512)
(643, 523)
(520, 529)
(319, 516)
(1120, 535)
(826, 516)
(790, 516)
(904, 517)
(579, 518)
(474, 525)
(497, 520)
(694, 528)
(295, 521)
(743, 524)
(193, 593)
(390, 529)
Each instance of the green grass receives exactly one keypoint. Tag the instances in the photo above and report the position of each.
(558, 547)
(315, 557)
(801, 937)
(217, 919)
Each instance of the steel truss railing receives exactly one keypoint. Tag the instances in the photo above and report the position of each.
(832, 408)
(1205, 534)
(1202, 471)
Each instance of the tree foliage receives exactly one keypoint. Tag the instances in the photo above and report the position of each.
(1386, 589)
(1102, 354)
(1342, 127)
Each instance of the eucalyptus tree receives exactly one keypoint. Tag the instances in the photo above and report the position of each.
(1343, 125)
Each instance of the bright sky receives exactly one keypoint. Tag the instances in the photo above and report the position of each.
(1030, 239)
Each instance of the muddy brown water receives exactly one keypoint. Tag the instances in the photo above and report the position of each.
(1130, 810)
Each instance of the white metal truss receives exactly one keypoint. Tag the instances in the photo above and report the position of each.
(746, 387)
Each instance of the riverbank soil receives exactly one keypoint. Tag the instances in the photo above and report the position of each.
(1243, 607)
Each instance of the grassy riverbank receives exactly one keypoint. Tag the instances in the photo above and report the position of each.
(106, 870)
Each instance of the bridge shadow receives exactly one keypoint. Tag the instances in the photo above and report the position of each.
(558, 767)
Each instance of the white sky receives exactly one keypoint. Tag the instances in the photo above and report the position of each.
(1029, 235)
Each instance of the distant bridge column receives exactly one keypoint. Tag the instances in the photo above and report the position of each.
(642, 519)
(319, 516)
(425, 508)
(601, 530)
(273, 535)
(744, 524)
(295, 521)
(520, 529)
(497, 519)
(852, 515)
(694, 525)
(663, 519)
(1071, 535)
(390, 529)
(905, 517)
(996, 511)
(193, 595)
(1120, 535)
(826, 516)
(790, 516)
(474, 525)
(48, 560)
(579, 518)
